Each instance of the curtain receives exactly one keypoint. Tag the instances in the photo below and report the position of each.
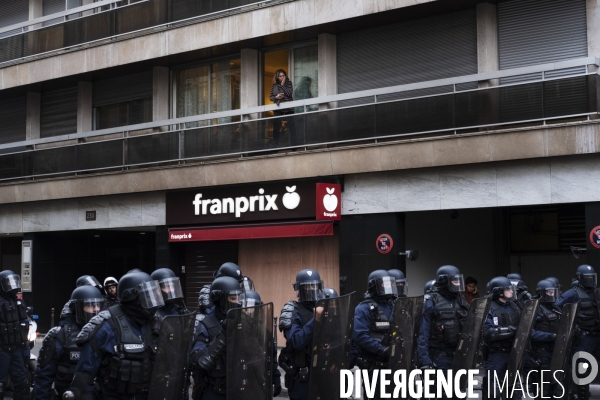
(306, 75)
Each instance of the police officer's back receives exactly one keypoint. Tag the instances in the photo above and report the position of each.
(297, 324)
(208, 354)
(59, 353)
(444, 314)
(116, 344)
(14, 326)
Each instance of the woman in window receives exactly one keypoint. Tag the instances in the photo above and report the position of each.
(282, 91)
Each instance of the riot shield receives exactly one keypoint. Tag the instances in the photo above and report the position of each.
(517, 354)
(332, 339)
(250, 353)
(404, 332)
(470, 337)
(564, 340)
(171, 361)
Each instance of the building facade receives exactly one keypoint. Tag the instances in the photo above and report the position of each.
(464, 129)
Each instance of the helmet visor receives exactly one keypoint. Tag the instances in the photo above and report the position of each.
(402, 287)
(91, 281)
(456, 283)
(549, 295)
(171, 289)
(232, 299)
(252, 302)
(247, 284)
(386, 286)
(588, 280)
(11, 283)
(150, 295)
(310, 290)
(88, 309)
(509, 292)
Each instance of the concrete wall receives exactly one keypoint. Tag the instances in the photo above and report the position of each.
(466, 242)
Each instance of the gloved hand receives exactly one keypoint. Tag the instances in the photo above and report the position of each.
(277, 388)
(385, 353)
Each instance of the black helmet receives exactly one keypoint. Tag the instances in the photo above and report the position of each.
(574, 283)
(141, 287)
(428, 286)
(517, 281)
(500, 287)
(170, 285)
(381, 284)
(247, 283)
(88, 280)
(514, 276)
(226, 293)
(229, 269)
(586, 276)
(448, 276)
(309, 286)
(10, 282)
(252, 299)
(556, 283)
(330, 293)
(547, 291)
(88, 302)
(401, 283)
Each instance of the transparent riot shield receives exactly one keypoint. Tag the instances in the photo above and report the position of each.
(564, 341)
(170, 364)
(250, 353)
(332, 339)
(517, 354)
(404, 332)
(470, 337)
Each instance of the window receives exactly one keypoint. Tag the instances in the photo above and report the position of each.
(301, 65)
(125, 113)
(208, 88)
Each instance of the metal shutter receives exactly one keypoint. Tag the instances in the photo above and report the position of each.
(532, 32)
(122, 88)
(412, 51)
(12, 12)
(202, 259)
(13, 114)
(52, 7)
(58, 112)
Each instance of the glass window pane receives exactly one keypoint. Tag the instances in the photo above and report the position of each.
(225, 90)
(111, 115)
(273, 60)
(306, 74)
(192, 92)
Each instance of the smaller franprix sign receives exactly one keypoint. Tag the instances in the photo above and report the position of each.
(261, 202)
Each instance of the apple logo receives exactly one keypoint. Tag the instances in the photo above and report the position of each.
(330, 201)
(291, 199)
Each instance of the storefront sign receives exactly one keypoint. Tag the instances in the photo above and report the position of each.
(260, 202)
(595, 237)
(384, 243)
(329, 204)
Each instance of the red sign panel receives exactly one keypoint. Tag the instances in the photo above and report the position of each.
(384, 243)
(595, 237)
(329, 201)
(252, 232)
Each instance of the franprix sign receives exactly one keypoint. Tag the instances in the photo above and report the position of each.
(260, 202)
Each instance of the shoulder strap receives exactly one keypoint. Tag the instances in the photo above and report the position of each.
(122, 326)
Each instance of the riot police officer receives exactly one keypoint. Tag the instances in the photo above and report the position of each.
(110, 288)
(297, 324)
(372, 322)
(557, 284)
(67, 315)
(59, 353)
(500, 327)
(115, 344)
(587, 319)
(208, 352)
(14, 324)
(522, 290)
(401, 284)
(546, 321)
(444, 314)
(170, 287)
(230, 269)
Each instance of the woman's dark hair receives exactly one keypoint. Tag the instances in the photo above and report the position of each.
(276, 76)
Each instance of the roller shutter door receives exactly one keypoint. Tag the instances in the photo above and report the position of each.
(122, 88)
(58, 112)
(13, 114)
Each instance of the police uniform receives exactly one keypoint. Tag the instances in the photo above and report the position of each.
(111, 300)
(14, 326)
(115, 350)
(297, 324)
(208, 385)
(499, 331)
(441, 326)
(57, 361)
